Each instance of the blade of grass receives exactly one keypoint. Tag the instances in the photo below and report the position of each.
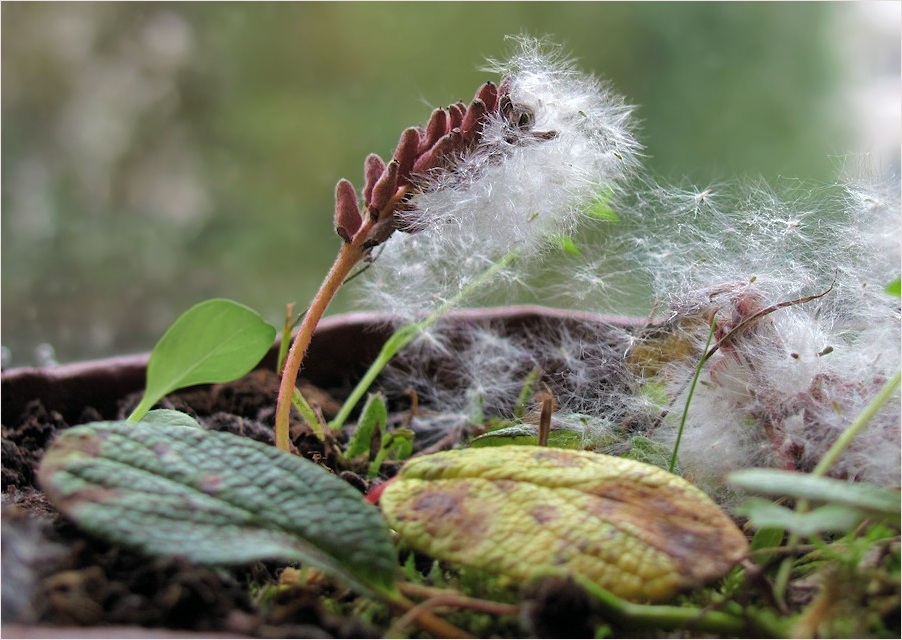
(691, 392)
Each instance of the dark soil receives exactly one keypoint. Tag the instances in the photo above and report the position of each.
(57, 580)
(53, 574)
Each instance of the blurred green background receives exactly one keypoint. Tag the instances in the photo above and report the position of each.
(158, 154)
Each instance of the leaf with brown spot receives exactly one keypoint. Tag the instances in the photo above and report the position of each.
(165, 486)
(529, 512)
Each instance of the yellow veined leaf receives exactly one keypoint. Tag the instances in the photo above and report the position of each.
(529, 512)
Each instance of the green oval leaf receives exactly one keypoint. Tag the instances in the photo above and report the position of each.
(866, 498)
(529, 512)
(215, 498)
(214, 341)
(764, 514)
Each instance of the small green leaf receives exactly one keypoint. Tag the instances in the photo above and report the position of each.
(764, 514)
(373, 419)
(166, 486)
(299, 402)
(894, 288)
(523, 434)
(863, 497)
(214, 341)
(766, 538)
(396, 445)
(601, 208)
(567, 245)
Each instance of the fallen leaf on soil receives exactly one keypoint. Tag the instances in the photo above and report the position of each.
(168, 487)
(529, 512)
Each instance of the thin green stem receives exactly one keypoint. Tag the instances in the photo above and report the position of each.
(671, 617)
(526, 392)
(300, 403)
(867, 414)
(287, 326)
(406, 334)
(692, 385)
(784, 572)
(141, 410)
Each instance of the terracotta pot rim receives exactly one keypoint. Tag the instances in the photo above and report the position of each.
(340, 344)
(329, 324)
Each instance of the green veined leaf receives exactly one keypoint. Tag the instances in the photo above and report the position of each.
(165, 488)
(894, 288)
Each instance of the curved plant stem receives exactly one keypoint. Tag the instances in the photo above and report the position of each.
(405, 335)
(287, 327)
(671, 617)
(449, 600)
(422, 616)
(349, 255)
(291, 322)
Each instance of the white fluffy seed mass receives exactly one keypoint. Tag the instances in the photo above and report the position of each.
(778, 391)
(517, 191)
(793, 278)
(783, 388)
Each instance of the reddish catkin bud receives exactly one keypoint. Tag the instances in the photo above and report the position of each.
(456, 112)
(435, 129)
(347, 215)
(439, 151)
(384, 188)
(406, 153)
(488, 93)
(472, 123)
(373, 168)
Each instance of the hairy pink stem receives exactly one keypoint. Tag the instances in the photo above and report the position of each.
(349, 255)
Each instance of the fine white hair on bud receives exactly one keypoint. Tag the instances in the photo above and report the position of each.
(557, 141)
